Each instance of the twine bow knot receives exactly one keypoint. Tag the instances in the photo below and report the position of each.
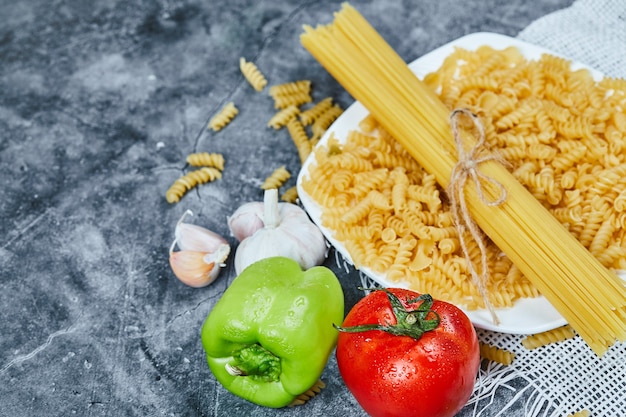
(467, 169)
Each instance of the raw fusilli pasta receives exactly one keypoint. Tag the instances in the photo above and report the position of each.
(551, 336)
(276, 179)
(296, 99)
(496, 354)
(290, 195)
(308, 116)
(190, 180)
(299, 138)
(223, 117)
(205, 159)
(291, 88)
(282, 117)
(581, 413)
(368, 124)
(252, 74)
(324, 120)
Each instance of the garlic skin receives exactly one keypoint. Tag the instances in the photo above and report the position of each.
(287, 231)
(246, 220)
(201, 256)
(197, 238)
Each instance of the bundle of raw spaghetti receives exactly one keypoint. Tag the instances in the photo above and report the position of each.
(589, 296)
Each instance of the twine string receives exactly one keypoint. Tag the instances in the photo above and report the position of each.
(466, 169)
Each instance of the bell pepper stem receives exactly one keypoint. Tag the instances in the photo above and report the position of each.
(412, 323)
(255, 361)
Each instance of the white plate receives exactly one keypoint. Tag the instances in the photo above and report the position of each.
(528, 315)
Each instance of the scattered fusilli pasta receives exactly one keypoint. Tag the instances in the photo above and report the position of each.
(205, 159)
(308, 116)
(252, 74)
(496, 354)
(282, 117)
(290, 195)
(276, 179)
(296, 99)
(300, 139)
(581, 413)
(325, 119)
(290, 88)
(223, 117)
(190, 180)
(551, 336)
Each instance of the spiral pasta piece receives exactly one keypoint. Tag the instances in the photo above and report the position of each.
(190, 180)
(357, 212)
(325, 119)
(297, 99)
(223, 117)
(290, 195)
(276, 179)
(252, 74)
(282, 117)
(368, 124)
(206, 159)
(307, 117)
(551, 336)
(496, 354)
(581, 413)
(300, 139)
(290, 88)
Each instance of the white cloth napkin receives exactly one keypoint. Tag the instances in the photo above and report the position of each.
(592, 32)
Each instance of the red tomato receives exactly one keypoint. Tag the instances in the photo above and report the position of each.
(397, 375)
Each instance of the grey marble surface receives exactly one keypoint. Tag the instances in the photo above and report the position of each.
(100, 102)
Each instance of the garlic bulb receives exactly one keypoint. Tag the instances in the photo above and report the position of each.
(287, 231)
(202, 254)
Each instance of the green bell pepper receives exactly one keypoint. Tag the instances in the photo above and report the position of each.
(270, 335)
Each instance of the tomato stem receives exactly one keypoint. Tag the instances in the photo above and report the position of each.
(412, 323)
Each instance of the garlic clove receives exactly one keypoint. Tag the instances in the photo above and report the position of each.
(246, 220)
(197, 238)
(198, 269)
(190, 237)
